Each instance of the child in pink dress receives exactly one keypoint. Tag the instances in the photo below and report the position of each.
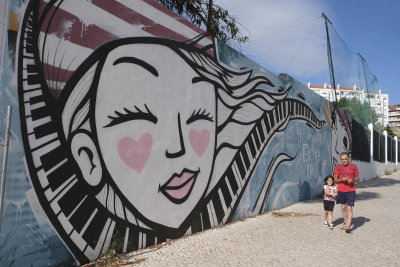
(330, 191)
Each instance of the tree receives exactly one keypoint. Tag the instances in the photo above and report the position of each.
(359, 111)
(390, 131)
(216, 20)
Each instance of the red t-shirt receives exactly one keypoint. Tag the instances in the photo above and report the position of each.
(350, 171)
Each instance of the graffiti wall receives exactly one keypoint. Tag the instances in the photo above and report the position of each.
(131, 127)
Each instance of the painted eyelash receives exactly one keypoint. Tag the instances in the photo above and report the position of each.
(200, 115)
(131, 115)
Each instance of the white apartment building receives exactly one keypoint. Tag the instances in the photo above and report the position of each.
(394, 115)
(377, 101)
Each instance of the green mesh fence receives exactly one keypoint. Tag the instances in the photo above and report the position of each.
(360, 149)
(379, 146)
(390, 141)
(398, 150)
(350, 72)
(394, 151)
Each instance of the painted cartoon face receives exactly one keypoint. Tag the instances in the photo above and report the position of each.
(340, 139)
(156, 126)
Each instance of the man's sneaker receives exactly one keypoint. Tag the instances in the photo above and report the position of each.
(331, 226)
(326, 223)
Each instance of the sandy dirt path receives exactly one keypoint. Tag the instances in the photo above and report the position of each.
(298, 237)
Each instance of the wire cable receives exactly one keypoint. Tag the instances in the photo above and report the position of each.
(298, 49)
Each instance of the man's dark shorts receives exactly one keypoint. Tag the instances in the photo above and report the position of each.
(329, 205)
(347, 198)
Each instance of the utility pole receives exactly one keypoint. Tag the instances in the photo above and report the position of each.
(5, 157)
(329, 50)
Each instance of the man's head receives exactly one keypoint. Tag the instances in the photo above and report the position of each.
(344, 157)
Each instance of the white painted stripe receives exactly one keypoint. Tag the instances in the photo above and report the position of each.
(221, 197)
(56, 166)
(247, 169)
(78, 240)
(237, 175)
(37, 105)
(255, 146)
(51, 194)
(90, 14)
(27, 61)
(27, 86)
(26, 53)
(130, 217)
(108, 238)
(34, 143)
(229, 188)
(55, 84)
(259, 137)
(264, 129)
(29, 95)
(249, 154)
(210, 216)
(33, 124)
(89, 221)
(188, 231)
(125, 247)
(201, 221)
(77, 206)
(96, 253)
(163, 19)
(214, 215)
(144, 240)
(110, 200)
(65, 223)
(140, 240)
(42, 178)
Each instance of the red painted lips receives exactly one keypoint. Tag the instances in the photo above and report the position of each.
(178, 188)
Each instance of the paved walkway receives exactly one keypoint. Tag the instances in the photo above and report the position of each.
(295, 236)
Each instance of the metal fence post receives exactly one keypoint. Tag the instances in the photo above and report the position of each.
(371, 148)
(396, 152)
(4, 170)
(386, 149)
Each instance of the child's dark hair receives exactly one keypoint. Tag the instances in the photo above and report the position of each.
(326, 179)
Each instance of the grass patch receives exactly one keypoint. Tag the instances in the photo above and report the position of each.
(387, 172)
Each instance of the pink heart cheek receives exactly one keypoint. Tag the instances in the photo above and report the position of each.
(135, 153)
(199, 140)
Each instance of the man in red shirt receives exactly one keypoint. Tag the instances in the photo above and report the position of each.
(345, 175)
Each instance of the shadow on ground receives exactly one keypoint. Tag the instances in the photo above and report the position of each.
(357, 222)
(365, 195)
(377, 182)
(360, 196)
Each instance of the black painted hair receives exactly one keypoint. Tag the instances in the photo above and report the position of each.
(326, 179)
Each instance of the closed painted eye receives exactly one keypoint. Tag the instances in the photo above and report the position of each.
(345, 143)
(128, 115)
(199, 115)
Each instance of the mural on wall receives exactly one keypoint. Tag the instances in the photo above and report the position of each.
(142, 134)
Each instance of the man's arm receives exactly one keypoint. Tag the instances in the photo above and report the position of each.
(337, 180)
(356, 179)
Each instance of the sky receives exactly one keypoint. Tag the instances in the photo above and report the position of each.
(289, 36)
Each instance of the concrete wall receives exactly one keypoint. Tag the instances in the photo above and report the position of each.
(131, 127)
(369, 170)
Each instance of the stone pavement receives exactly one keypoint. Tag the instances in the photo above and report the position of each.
(295, 236)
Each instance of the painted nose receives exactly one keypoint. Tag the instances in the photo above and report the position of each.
(179, 150)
